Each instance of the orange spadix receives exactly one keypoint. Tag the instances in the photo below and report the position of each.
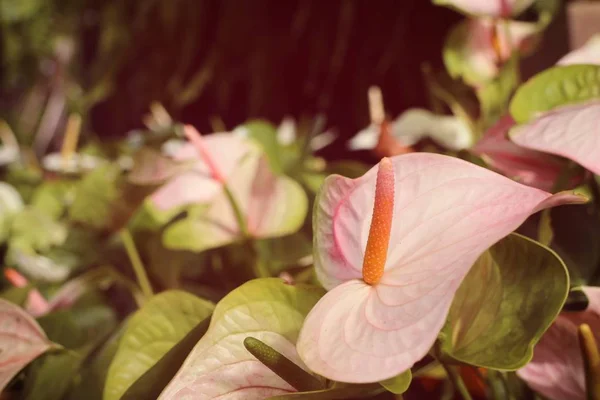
(381, 224)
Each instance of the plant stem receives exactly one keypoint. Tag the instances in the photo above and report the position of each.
(136, 263)
(236, 211)
(591, 360)
(457, 381)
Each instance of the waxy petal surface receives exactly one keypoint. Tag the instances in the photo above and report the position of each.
(530, 167)
(447, 212)
(570, 131)
(556, 370)
(21, 341)
(197, 185)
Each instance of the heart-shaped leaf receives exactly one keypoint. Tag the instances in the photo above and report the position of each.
(150, 334)
(219, 366)
(21, 341)
(506, 302)
(152, 382)
(557, 86)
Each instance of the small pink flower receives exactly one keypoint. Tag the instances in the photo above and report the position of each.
(533, 168)
(392, 248)
(556, 370)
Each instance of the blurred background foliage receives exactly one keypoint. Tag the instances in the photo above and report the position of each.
(214, 63)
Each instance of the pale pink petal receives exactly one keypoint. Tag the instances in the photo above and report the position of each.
(21, 341)
(589, 53)
(490, 8)
(530, 167)
(184, 189)
(483, 55)
(571, 131)
(447, 212)
(556, 370)
(196, 184)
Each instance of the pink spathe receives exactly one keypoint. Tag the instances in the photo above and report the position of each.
(556, 370)
(447, 212)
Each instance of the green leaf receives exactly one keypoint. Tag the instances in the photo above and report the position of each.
(32, 229)
(284, 252)
(82, 325)
(265, 134)
(152, 382)
(90, 384)
(495, 95)
(51, 198)
(150, 333)
(94, 197)
(51, 375)
(17, 10)
(555, 87)
(398, 384)
(278, 363)
(505, 303)
(11, 203)
(267, 309)
(16, 295)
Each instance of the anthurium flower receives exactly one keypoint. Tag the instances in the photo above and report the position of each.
(530, 167)
(207, 173)
(477, 48)
(557, 370)
(393, 247)
(414, 125)
(569, 131)
(488, 8)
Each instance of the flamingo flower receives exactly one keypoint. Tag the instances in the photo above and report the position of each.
(569, 131)
(488, 8)
(391, 277)
(221, 154)
(530, 167)
(477, 48)
(557, 369)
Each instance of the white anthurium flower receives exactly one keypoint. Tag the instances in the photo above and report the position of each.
(75, 163)
(589, 53)
(416, 124)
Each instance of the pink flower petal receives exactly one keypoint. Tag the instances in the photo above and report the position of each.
(571, 131)
(589, 53)
(447, 212)
(556, 370)
(197, 184)
(21, 341)
(530, 167)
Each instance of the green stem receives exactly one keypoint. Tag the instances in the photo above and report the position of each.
(136, 263)
(236, 211)
(456, 380)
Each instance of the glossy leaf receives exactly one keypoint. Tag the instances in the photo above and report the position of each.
(506, 302)
(51, 376)
(11, 203)
(151, 332)
(21, 341)
(152, 382)
(555, 87)
(449, 212)
(220, 367)
(271, 206)
(398, 384)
